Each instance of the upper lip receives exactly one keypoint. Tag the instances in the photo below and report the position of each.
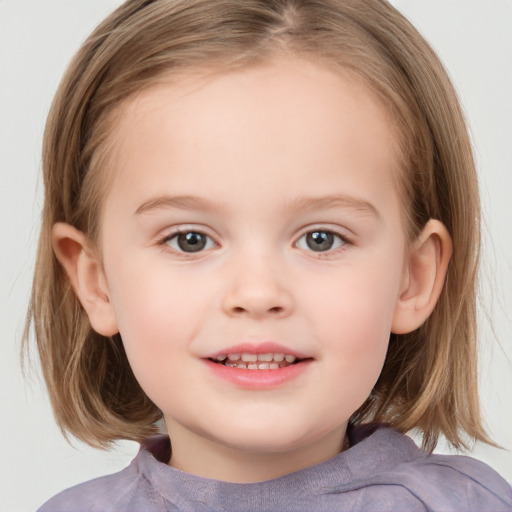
(266, 347)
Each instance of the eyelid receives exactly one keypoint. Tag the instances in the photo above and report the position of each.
(163, 241)
(337, 232)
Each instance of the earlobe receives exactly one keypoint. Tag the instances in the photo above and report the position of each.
(424, 277)
(81, 264)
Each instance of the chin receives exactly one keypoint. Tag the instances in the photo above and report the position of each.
(270, 438)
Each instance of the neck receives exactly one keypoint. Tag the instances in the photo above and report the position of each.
(207, 458)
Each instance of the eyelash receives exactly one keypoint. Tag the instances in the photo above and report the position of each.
(174, 236)
(343, 241)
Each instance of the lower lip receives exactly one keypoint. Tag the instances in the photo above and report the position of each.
(258, 379)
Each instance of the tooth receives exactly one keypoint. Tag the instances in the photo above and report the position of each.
(290, 358)
(252, 366)
(234, 357)
(221, 357)
(278, 357)
(249, 358)
(264, 366)
(273, 366)
(241, 365)
(231, 365)
(265, 357)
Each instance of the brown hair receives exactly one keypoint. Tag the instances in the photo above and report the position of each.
(429, 380)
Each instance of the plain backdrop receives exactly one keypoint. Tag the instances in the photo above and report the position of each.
(37, 39)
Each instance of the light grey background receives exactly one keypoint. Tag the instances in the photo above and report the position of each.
(37, 39)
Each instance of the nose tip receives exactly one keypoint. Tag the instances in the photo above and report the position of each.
(258, 296)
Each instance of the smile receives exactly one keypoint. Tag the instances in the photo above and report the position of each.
(258, 366)
(249, 361)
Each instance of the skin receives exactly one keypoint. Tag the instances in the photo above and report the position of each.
(259, 154)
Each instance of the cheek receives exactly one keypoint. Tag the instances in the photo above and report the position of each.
(358, 299)
(157, 317)
(353, 315)
(150, 299)
(356, 335)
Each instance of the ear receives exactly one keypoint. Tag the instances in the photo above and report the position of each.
(424, 277)
(85, 272)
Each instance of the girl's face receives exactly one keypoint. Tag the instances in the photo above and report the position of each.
(255, 213)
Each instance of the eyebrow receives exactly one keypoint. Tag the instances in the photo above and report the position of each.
(303, 204)
(178, 202)
(334, 201)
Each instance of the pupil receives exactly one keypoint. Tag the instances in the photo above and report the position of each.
(319, 241)
(191, 242)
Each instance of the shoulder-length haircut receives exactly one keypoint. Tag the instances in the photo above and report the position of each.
(429, 380)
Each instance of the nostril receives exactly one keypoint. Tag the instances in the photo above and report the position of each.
(247, 302)
(276, 310)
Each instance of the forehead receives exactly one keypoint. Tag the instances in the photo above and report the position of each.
(238, 130)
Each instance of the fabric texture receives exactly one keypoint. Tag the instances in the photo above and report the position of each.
(382, 471)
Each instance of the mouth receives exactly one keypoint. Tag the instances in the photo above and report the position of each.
(252, 361)
(258, 366)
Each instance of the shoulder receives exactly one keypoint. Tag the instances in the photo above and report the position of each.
(466, 484)
(92, 496)
(128, 489)
(446, 482)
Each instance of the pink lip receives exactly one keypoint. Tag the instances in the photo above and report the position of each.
(258, 379)
(267, 347)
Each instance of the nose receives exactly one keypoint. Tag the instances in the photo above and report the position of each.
(257, 288)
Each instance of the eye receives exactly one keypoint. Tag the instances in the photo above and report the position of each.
(320, 241)
(190, 242)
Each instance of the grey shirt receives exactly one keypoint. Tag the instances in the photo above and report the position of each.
(382, 471)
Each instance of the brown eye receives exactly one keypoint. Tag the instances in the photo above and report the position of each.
(190, 242)
(320, 241)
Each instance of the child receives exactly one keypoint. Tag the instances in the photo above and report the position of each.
(261, 225)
